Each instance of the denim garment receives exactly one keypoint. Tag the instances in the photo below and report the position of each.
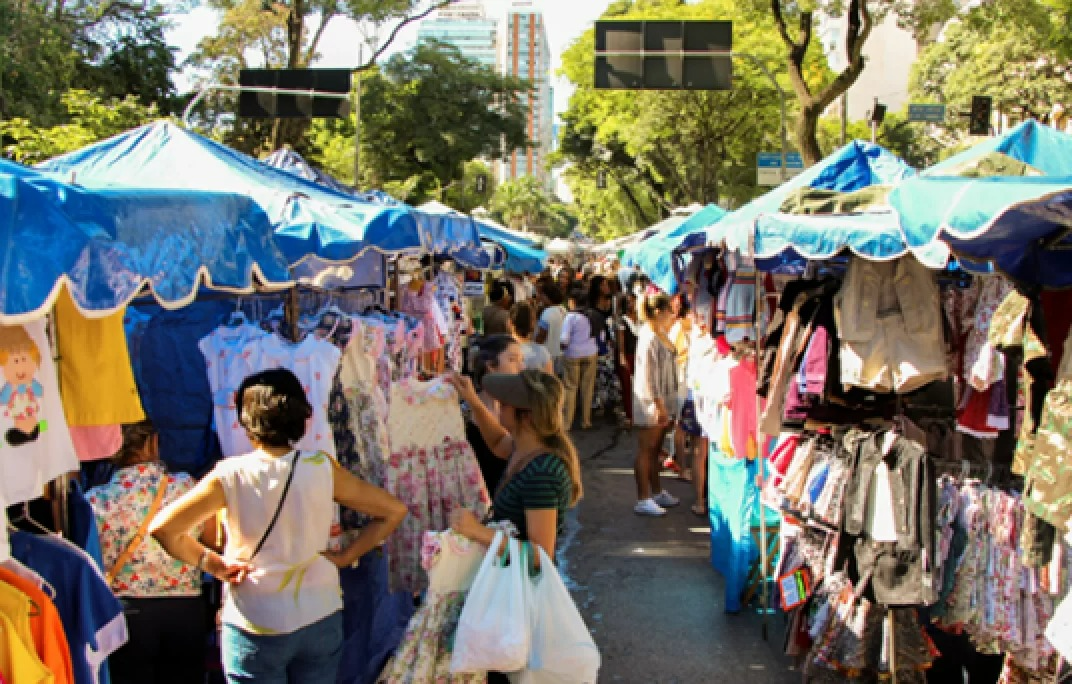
(310, 654)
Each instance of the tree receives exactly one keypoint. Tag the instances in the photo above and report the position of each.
(286, 34)
(111, 47)
(816, 90)
(524, 204)
(91, 119)
(1003, 49)
(429, 112)
(469, 191)
(634, 156)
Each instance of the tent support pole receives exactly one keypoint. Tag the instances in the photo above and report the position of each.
(761, 475)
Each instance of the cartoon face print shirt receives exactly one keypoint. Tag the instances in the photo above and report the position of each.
(35, 444)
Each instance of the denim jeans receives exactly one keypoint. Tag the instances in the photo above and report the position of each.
(308, 656)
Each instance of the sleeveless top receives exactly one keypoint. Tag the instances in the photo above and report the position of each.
(292, 585)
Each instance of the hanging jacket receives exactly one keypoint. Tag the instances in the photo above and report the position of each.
(900, 573)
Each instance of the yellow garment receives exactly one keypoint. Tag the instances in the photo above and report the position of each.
(19, 664)
(96, 380)
(725, 442)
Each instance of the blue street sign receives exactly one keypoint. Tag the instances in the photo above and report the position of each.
(926, 113)
(773, 160)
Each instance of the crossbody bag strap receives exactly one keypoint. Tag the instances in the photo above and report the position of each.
(279, 508)
(139, 536)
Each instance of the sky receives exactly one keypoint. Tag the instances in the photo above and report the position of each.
(565, 21)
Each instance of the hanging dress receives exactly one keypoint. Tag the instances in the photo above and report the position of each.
(432, 468)
(452, 562)
(360, 422)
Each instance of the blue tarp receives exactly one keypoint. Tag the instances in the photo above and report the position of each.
(1004, 222)
(521, 254)
(309, 219)
(759, 228)
(662, 256)
(454, 236)
(107, 244)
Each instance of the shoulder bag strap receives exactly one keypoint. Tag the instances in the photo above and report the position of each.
(139, 536)
(279, 508)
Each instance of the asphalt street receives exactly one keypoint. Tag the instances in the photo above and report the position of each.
(646, 586)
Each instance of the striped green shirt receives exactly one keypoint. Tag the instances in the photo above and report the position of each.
(541, 485)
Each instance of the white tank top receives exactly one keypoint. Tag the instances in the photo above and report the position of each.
(292, 585)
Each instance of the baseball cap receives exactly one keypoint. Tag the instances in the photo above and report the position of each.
(508, 388)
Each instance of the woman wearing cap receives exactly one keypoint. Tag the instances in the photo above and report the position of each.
(543, 477)
(654, 401)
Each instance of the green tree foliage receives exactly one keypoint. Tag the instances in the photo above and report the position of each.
(429, 112)
(111, 47)
(91, 118)
(1002, 48)
(525, 204)
(286, 34)
(657, 150)
(896, 133)
(465, 194)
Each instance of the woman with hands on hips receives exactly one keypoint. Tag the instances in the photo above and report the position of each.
(282, 610)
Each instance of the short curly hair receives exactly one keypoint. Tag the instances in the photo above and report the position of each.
(272, 407)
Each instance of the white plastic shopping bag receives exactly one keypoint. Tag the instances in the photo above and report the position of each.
(495, 629)
(563, 651)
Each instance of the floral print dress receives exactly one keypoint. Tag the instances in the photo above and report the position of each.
(451, 562)
(432, 468)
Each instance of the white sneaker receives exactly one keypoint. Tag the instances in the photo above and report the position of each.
(649, 507)
(666, 499)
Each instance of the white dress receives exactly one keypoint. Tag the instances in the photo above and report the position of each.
(314, 361)
(229, 359)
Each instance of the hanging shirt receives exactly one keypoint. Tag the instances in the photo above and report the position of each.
(18, 662)
(229, 359)
(35, 446)
(49, 639)
(92, 616)
(744, 410)
(96, 442)
(314, 361)
(93, 355)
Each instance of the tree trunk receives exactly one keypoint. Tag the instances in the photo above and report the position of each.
(806, 134)
(812, 104)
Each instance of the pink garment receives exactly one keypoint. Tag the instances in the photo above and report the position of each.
(422, 304)
(96, 442)
(742, 403)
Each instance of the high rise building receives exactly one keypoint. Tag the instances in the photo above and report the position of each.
(516, 46)
(465, 26)
(526, 54)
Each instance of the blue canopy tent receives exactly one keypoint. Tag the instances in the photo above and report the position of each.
(762, 230)
(663, 256)
(107, 245)
(308, 219)
(520, 254)
(1018, 224)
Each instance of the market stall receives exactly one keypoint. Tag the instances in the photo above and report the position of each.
(886, 454)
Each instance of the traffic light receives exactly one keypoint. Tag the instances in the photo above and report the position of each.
(980, 116)
(481, 183)
(601, 179)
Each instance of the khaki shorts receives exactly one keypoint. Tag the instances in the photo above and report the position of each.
(893, 360)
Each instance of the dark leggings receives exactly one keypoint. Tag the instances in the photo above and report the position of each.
(625, 379)
(167, 642)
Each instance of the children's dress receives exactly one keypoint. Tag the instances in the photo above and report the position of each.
(432, 468)
(452, 562)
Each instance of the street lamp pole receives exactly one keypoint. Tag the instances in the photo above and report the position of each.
(357, 117)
